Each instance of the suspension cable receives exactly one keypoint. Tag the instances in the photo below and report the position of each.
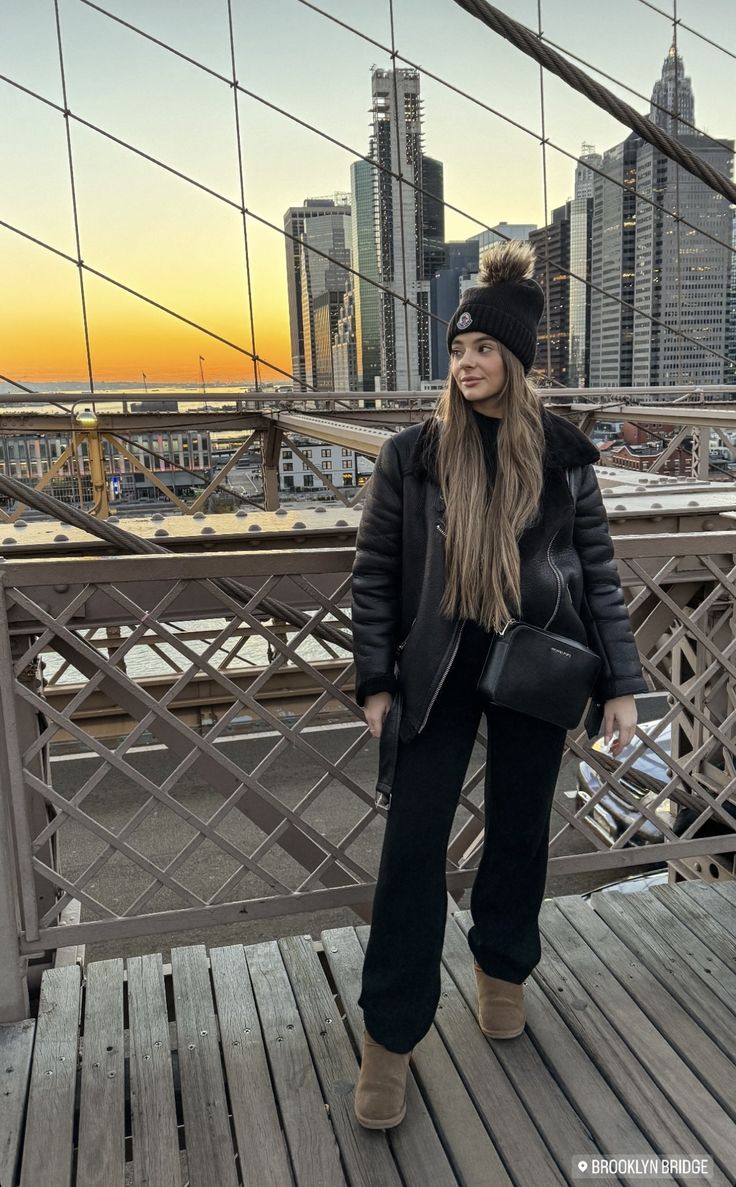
(677, 197)
(543, 147)
(369, 280)
(241, 177)
(632, 91)
(75, 210)
(485, 107)
(528, 43)
(355, 152)
(148, 300)
(281, 231)
(401, 210)
(688, 28)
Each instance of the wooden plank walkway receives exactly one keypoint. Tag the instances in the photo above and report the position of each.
(244, 1073)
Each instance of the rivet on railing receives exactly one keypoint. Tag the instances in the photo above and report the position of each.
(299, 523)
(161, 532)
(254, 527)
(199, 515)
(11, 540)
(60, 539)
(207, 529)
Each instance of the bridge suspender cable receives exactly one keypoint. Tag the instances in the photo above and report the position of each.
(530, 44)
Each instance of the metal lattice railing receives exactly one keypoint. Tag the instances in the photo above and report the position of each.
(142, 854)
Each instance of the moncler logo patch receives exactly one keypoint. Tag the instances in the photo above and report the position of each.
(464, 320)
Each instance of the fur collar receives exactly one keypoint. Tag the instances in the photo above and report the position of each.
(565, 445)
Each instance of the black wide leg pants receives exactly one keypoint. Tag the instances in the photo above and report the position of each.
(401, 972)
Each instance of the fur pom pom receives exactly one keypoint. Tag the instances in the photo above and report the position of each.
(511, 260)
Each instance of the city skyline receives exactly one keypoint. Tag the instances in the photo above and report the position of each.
(184, 248)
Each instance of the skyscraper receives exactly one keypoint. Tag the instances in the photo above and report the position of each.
(676, 278)
(365, 261)
(323, 224)
(581, 222)
(461, 259)
(612, 266)
(682, 278)
(552, 245)
(401, 226)
(344, 347)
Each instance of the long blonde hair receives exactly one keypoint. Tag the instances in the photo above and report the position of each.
(484, 524)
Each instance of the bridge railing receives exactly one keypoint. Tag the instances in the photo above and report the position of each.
(174, 825)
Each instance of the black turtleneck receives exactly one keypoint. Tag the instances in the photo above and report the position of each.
(488, 426)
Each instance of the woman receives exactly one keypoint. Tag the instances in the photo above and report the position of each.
(469, 521)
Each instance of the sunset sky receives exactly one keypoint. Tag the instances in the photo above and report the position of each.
(182, 247)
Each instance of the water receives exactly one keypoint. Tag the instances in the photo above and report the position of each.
(141, 661)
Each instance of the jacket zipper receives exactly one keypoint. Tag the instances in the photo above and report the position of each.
(403, 642)
(558, 577)
(454, 646)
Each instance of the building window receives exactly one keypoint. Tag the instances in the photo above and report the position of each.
(307, 452)
(286, 453)
(347, 476)
(288, 466)
(327, 465)
(309, 480)
(346, 453)
(325, 452)
(289, 482)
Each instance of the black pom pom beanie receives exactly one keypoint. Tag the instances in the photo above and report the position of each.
(507, 304)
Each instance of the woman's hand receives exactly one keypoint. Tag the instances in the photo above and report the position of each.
(375, 710)
(619, 713)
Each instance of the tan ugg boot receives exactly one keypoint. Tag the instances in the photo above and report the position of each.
(380, 1094)
(501, 1013)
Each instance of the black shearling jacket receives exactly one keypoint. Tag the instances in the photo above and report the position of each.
(568, 573)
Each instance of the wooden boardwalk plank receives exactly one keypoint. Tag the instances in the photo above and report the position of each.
(16, 1050)
(47, 1153)
(719, 907)
(365, 1153)
(101, 1149)
(601, 1110)
(658, 1087)
(210, 1151)
(416, 1144)
(678, 977)
(533, 1124)
(707, 1061)
(311, 1139)
(702, 921)
(152, 1102)
(647, 909)
(264, 1159)
(726, 888)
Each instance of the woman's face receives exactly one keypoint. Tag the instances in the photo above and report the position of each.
(478, 370)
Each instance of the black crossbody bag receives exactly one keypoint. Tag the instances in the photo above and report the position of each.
(535, 671)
